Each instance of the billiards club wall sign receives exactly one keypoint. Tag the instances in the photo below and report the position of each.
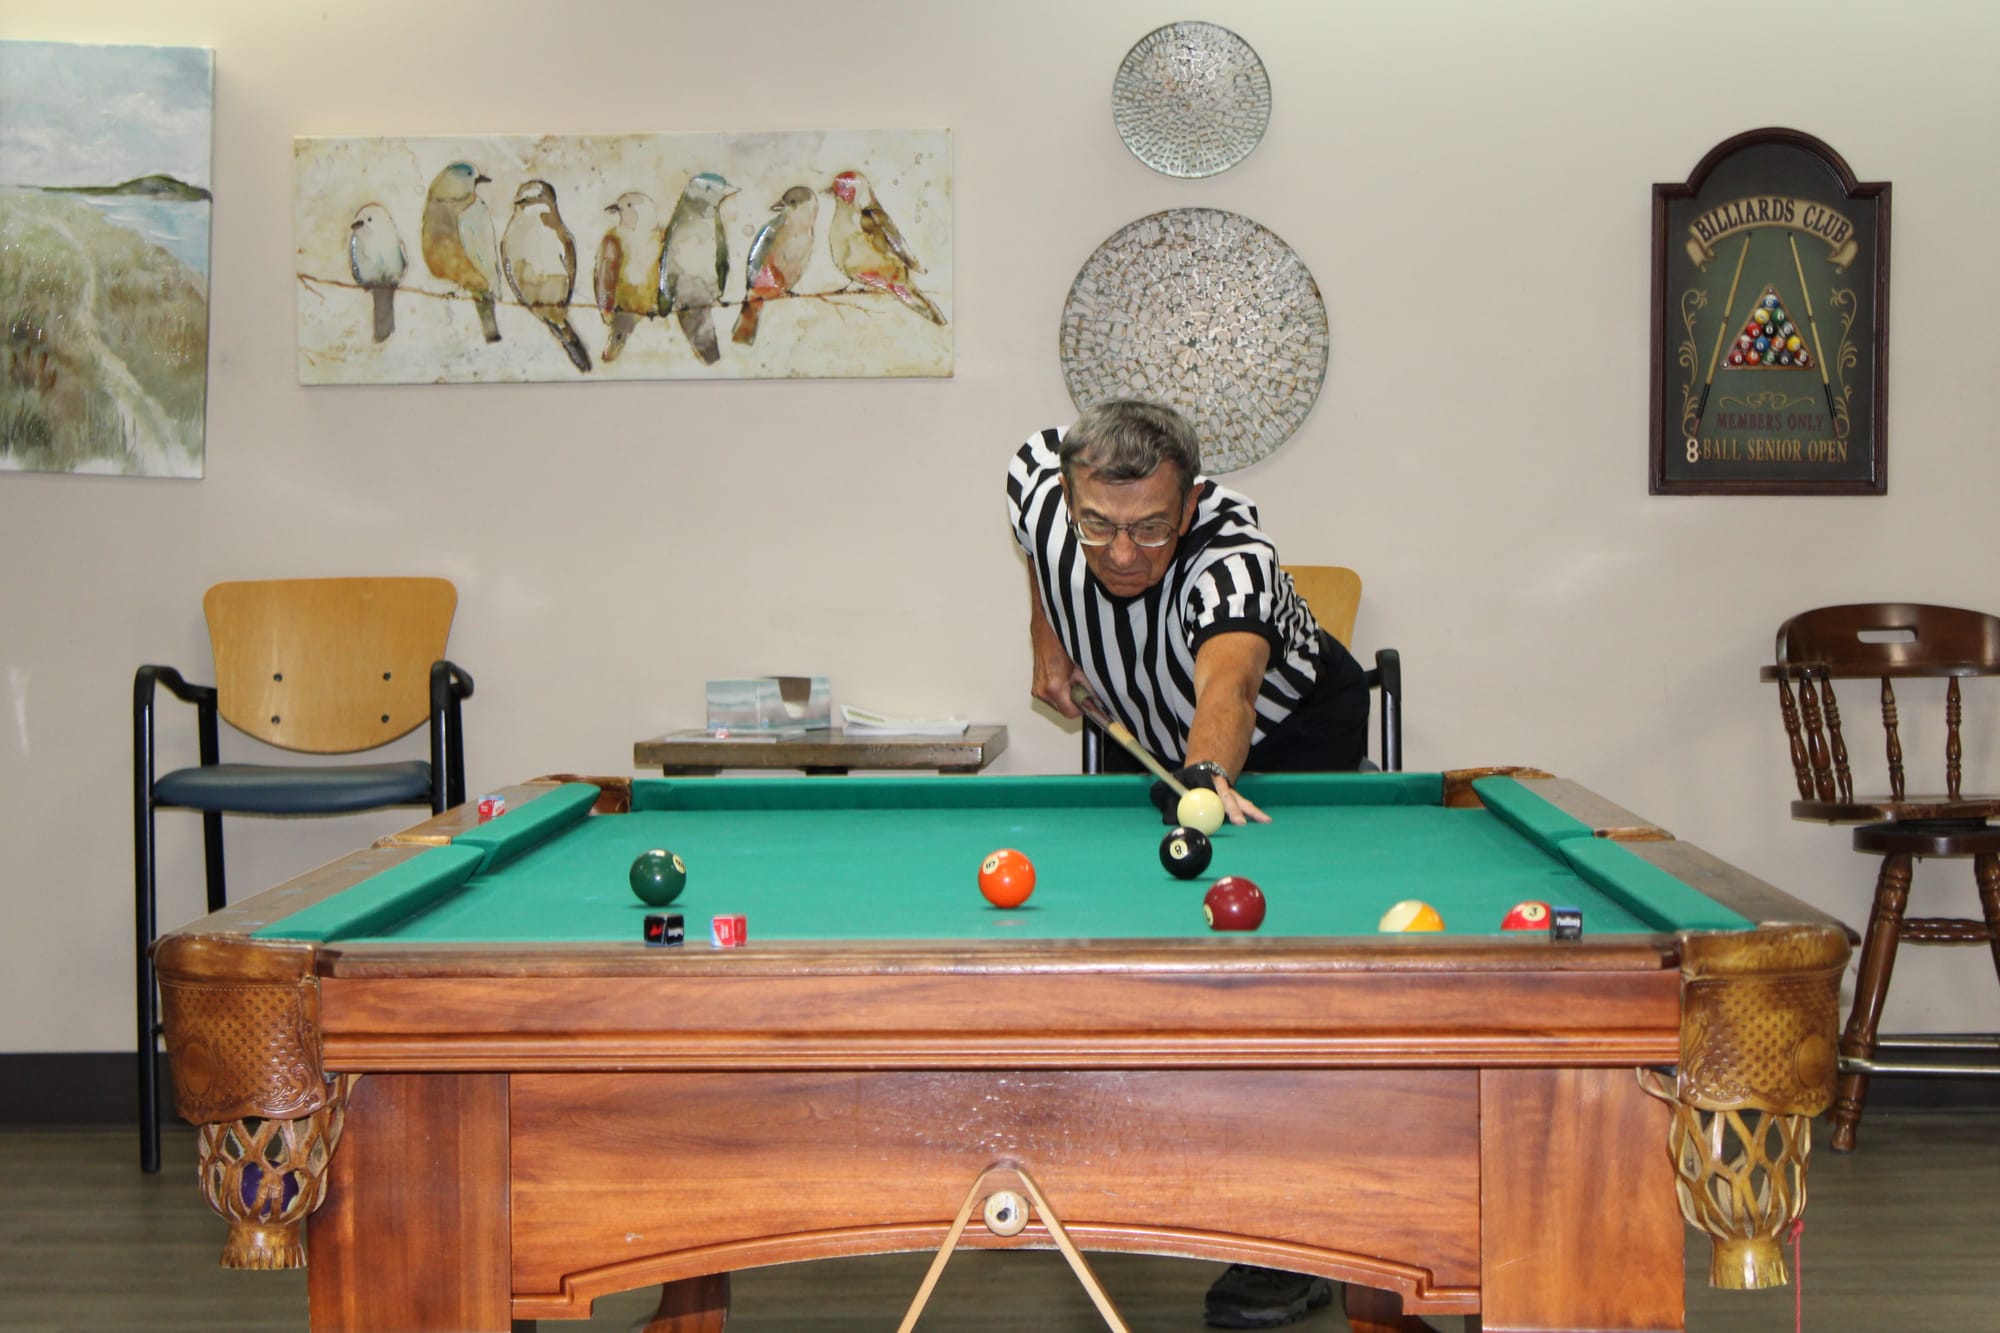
(1770, 323)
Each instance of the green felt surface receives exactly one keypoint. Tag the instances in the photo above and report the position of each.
(809, 859)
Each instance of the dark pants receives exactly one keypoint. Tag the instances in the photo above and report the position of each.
(1328, 733)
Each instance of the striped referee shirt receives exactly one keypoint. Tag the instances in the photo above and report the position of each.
(1138, 652)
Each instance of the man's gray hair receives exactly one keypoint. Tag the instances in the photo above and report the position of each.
(1127, 439)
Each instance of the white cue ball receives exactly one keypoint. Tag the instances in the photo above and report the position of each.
(1200, 809)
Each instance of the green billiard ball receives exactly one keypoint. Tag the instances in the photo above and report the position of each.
(658, 877)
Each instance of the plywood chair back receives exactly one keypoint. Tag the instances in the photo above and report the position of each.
(327, 666)
(1332, 593)
(1884, 642)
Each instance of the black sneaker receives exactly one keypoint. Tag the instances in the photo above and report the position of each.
(1247, 1297)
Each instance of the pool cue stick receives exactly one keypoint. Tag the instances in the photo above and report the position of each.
(1818, 353)
(1728, 318)
(1119, 732)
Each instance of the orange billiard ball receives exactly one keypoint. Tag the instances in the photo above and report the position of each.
(1007, 877)
(1530, 915)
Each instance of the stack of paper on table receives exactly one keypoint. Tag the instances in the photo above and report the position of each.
(863, 722)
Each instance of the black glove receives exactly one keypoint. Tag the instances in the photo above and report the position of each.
(1168, 800)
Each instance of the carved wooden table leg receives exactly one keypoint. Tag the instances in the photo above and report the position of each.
(693, 1305)
(1758, 1014)
(264, 1176)
(242, 1031)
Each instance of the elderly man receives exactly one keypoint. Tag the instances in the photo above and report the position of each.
(1156, 587)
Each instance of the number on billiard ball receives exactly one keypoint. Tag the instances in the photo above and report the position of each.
(1185, 852)
(1233, 903)
(1007, 878)
(658, 877)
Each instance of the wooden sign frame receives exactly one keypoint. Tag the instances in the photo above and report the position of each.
(1770, 323)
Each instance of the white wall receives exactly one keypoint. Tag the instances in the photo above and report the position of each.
(1470, 184)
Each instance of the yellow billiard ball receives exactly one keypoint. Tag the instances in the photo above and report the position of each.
(1200, 809)
(1411, 915)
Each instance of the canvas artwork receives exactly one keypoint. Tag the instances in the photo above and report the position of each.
(104, 215)
(623, 256)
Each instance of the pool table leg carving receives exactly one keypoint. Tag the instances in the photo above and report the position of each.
(264, 1177)
(1760, 1011)
(242, 1029)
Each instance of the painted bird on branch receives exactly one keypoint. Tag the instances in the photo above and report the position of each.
(694, 268)
(538, 255)
(375, 256)
(870, 250)
(778, 257)
(458, 243)
(628, 264)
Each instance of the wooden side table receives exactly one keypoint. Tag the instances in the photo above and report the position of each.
(698, 754)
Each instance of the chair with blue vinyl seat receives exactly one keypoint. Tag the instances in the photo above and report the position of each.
(333, 666)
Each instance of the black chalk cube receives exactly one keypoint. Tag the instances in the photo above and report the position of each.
(665, 930)
(1565, 923)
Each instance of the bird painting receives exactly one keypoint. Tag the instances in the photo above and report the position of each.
(628, 258)
(458, 241)
(694, 267)
(375, 257)
(538, 255)
(778, 257)
(869, 249)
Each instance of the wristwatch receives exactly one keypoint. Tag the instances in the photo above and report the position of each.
(1210, 767)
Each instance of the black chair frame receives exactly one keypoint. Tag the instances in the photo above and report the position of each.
(1385, 677)
(450, 685)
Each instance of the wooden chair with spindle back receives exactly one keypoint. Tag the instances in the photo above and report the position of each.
(315, 666)
(1333, 594)
(1889, 642)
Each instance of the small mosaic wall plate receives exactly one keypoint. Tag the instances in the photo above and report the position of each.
(1208, 312)
(1191, 99)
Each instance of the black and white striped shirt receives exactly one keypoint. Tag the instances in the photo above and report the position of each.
(1138, 652)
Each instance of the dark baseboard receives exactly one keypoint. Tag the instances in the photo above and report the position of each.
(100, 1088)
(73, 1088)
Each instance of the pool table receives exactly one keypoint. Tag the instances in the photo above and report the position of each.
(502, 1104)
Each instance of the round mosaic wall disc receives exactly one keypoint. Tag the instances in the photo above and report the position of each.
(1207, 312)
(1191, 99)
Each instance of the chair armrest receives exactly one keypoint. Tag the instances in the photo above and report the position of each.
(144, 687)
(149, 676)
(450, 684)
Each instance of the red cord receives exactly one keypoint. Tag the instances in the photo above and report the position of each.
(1796, 1234)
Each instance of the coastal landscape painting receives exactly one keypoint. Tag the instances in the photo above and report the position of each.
(578, 258)
(104, 221)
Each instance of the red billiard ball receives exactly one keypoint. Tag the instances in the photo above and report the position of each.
(1007, 877)
(1233, 903)
(1530, 915)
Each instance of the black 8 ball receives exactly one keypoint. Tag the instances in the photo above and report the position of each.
(1185, 852)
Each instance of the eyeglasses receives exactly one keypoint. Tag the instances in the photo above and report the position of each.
(1150, 533)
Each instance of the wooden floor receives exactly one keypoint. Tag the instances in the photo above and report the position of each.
(1900, 1235)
